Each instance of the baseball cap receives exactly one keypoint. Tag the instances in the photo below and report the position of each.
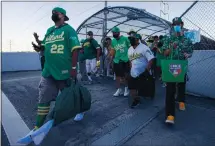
(116, 29)
(177, 20)
(89, 33)
(62, 11)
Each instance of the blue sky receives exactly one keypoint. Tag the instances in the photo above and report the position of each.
(21, 19)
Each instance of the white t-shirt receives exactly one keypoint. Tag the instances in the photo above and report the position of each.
(139, 57)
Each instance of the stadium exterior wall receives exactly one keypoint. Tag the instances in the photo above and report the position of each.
(201, 69)
(201, 72)
(20, 61)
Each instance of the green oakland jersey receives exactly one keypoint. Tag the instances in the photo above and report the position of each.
(59, 44)
(121, 47)
(179, 45)
(90, 46)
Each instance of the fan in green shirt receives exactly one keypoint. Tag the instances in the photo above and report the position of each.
(61, 46)
(92, 52)
(119, 49)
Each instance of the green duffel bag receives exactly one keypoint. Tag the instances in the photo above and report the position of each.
(85, 97)
(174, 70)
(71, 101)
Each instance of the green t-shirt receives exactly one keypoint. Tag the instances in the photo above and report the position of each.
(121, 47)
(179, 45)
(90, 48)
(59, 45)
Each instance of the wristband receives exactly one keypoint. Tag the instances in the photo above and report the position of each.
(73, 67)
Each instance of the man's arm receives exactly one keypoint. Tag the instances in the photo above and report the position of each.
(149, 56)
(74, 45)
(98, 49)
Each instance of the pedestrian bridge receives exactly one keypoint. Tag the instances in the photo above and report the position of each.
(110, 121)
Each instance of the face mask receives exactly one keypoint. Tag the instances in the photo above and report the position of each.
(55, 17)
(132, 41)
(115, 36)
(177, 28)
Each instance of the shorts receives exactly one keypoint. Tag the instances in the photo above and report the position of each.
(121, 69)
(91, 65)
(138, 82)
(49, 88)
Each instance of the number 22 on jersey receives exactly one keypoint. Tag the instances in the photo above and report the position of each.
(57, 49)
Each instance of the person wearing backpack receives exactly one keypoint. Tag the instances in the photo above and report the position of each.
(92, 53)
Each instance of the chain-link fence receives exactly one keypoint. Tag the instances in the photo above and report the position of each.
(201, 70)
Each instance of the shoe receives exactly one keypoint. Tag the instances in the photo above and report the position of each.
(118, 92)
(97, 75)
(27, 139)
(164, 85)
(126, 93)
(89, 78)
(79, 117)
(182, 106)
(114, 77)
(170, 120)
(135, 104)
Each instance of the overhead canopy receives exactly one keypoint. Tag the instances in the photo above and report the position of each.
(126, 18)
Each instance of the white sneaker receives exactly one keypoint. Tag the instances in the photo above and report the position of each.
(164, 85)
(126, 93)
(97, 75)
(79, 117)
(118, 92)
(89, 78)
(114, 77)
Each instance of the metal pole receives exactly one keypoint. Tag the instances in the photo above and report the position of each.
(189, 8)
(104, 35)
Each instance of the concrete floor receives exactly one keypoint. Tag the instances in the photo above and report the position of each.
(111, 122)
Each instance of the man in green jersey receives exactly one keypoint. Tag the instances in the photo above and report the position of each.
(180, 48)
(60, 49)
(91, 54)
(119, 52)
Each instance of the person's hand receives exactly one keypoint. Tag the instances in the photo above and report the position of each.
(167, 52)
(82, 51)
(186, 55)
(175, 45)
(36, 36)
(36, 48)
(98, 63)
(73, 73)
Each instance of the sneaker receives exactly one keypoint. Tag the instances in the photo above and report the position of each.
(89, 78)
(118, 92)
(170, 120)
(164, 85)
(97, 75)
(114, 77)
(135, 104)
(79, 117)
(182, 106)
(126, 93)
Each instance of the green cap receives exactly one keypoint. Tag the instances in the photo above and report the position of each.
(62, 11)
(116, 29)
(177, 20)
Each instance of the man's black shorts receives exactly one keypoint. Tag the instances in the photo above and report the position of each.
(121, 68)
(140, 82)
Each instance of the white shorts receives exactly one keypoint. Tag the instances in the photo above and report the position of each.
(91, 65)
